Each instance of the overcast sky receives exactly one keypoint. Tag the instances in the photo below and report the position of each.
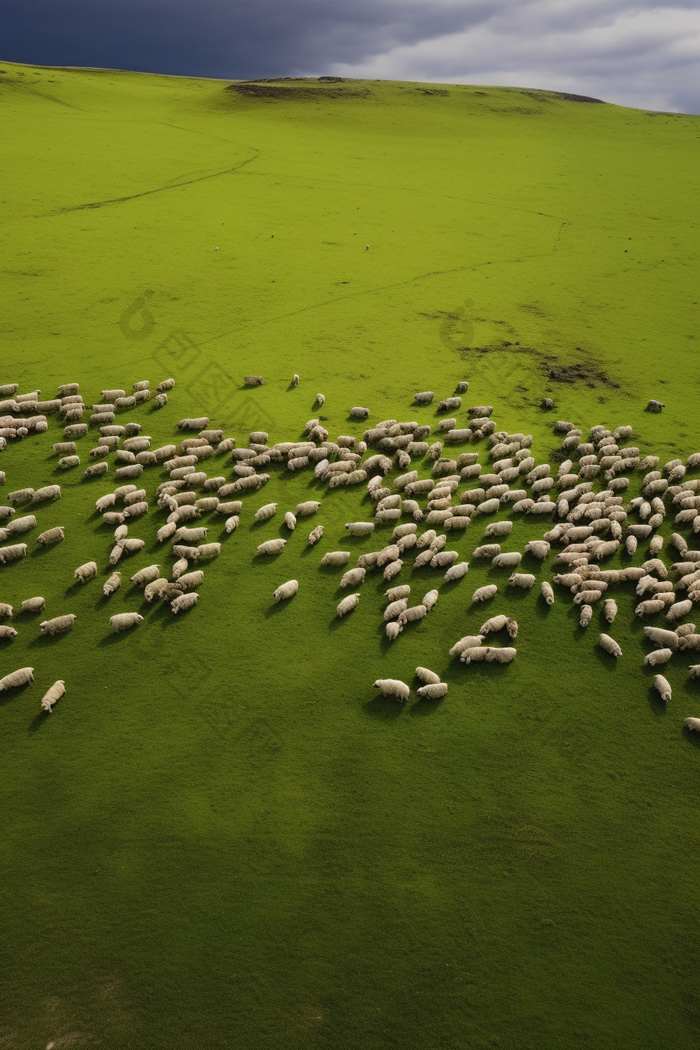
(638, 54)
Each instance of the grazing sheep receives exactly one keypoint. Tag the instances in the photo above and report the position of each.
(689, 641)
(6, 611)
(347, 605)
(7, 632)
(657, 657)
(432, 691)
(58, 624)
(17, 678)
(525, 580)
(484, 594)
(20, 496)
(495, 623)
(231, 524)
(185, 535)
(507, 560)
(498, 528)
(75, 430)
(474, 654)
(189, 581)
(487, 550)
(207, 551)
(147, 575)
(251, 381)
(360, 528)
(201, 423)
(585, 616)
(443, 559)
(273, 547)
(538, 548)
(609, 645)
(290, 521)
(661, 637)
(649, 608)
(393, 687)
(48, 492)
(679, 609)
(162, 590)
(68, 462)
(85, 572)
(54, 693)
(500, 656)
(395, 608)
(336, 559)
(166, 531)
(315, 535)
(694, 671)
(684, 630)
(180, 567)
(655, 406)
(663, 687)
(54, 535)
(303, 510)
(396, 593)
(353, 577)
(122, 621)
(112, 584)
(184, 602)
(265, 512)
(393, 629)
(18, 525)
(430, 599)
(692, 723)
(426, 676)
(547, 592)
(415, 612)
(424, 398)
(470, 641)
(12, 553)
(33, 605)
(286, 590)
(393, 569)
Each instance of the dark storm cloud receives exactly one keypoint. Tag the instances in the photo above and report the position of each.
(636, 53)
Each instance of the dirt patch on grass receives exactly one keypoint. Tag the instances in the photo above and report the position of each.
(583, 372)
(589, 372)
(433, 91)
(305, 92)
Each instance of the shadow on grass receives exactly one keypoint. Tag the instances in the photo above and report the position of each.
(13, 694)
(44, 641)
(386, 708)
(36, 723)
(425, 706)
(692, 736)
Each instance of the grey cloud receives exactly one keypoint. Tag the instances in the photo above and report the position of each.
(644, 54)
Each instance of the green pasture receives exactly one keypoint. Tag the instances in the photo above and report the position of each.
(222, 837)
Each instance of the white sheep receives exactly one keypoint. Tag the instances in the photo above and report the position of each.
(86, 571)
(185, 535)
(692, 723)
(112, 584)
(394, 609)
(474, 654)
(426, 676)
(524, 580)
(7, 632)
(507, 560)
(469, 641)
(662, 687)
(393, 569)
(484, 594)
(265, 512)
(273, 547)
(286, 590)
(207, 551)
(336, 559)
(6, 611)
(54, 535)
(411, 615)
(432, 691)
(679, 609)
(456, 571)
(122, 621)
(22, 676)
(609, 645)
(48, 492)
(585, 616)
(657, 657)
(54, 693)
(353, 577)
(231, 524)
(303, 510)
(396, 593)
(498, 528)
(500, 655)
(610, 609)
(347, 605)
(360, 528)
(33, 605)
(58, 624)
(290, 521)
(538, 548)
(12, 553)
(393, 687)
(547, 592)
(180, 567)
(315, 535)
(184, 602)
(147, 575)
(689, 642)
(393, 629)
(430, 599)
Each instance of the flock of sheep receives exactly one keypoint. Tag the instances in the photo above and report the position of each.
(584, 525)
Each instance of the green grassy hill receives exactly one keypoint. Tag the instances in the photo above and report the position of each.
(222, 837)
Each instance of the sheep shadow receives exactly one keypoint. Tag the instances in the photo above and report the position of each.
(692, 736)
(385, 708)
(13, 694)
(606, 660)
(425, 705)
(657, 705)
(277, 608)
(43, 641)
(37, 722)
(42, 549)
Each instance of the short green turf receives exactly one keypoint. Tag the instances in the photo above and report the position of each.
(222, 838)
